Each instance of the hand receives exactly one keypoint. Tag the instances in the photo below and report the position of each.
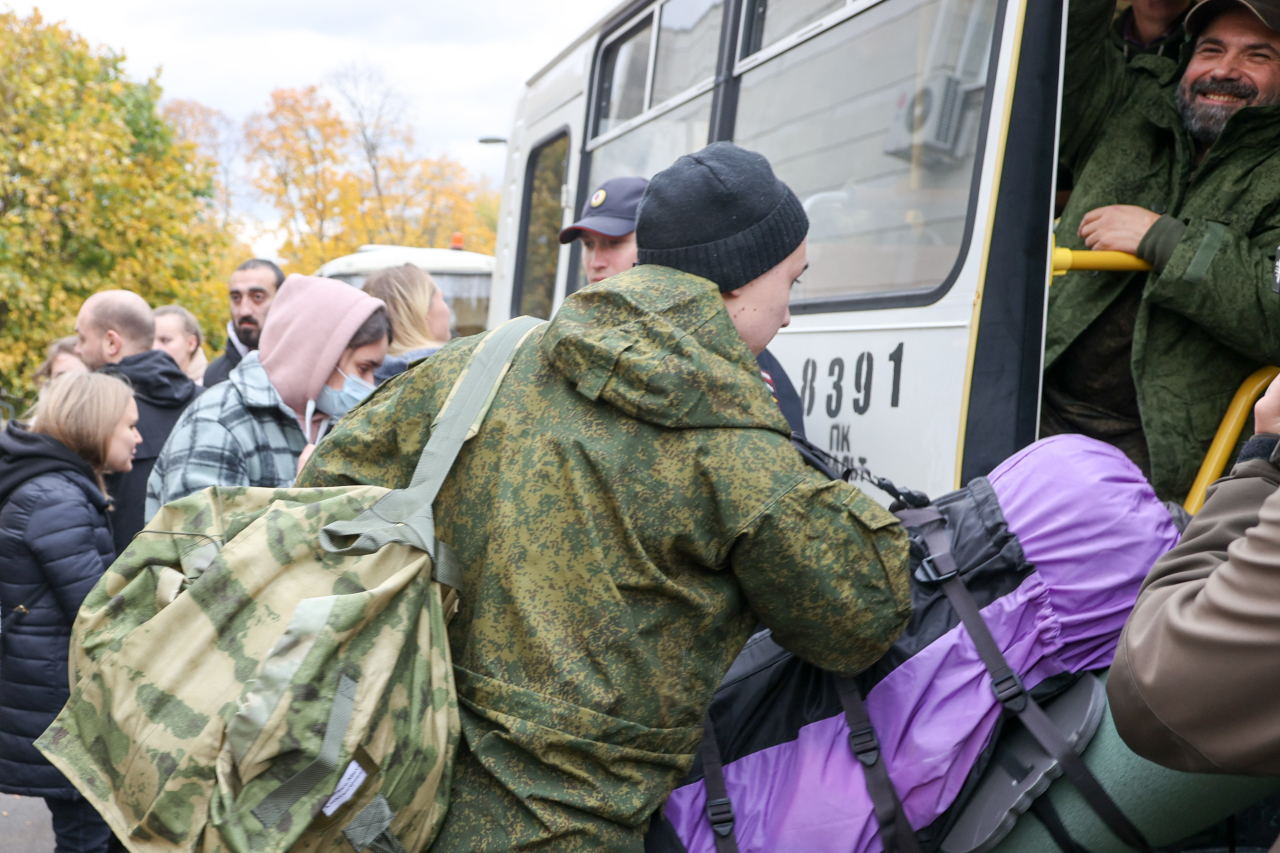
(304, 456)
(1266, 414)
(1116, 227)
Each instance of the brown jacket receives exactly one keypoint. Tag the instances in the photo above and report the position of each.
(1194, 686)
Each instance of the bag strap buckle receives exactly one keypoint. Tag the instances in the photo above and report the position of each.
(720, 813)
(928, 571)
(1010, 691)
(865, 745)
(21, 610)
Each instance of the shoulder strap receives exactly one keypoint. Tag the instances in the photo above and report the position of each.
(719, 809)
(405, 515)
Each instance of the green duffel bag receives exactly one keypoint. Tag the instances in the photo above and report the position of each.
(268, 669)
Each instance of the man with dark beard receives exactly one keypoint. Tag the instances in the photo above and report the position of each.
(252, 288)
(1179, 163)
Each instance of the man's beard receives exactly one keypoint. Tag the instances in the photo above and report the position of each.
(1204, 122)
(249, 334)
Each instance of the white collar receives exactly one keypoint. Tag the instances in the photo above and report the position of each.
(235, 341)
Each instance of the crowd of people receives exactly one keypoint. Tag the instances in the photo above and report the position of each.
(640, 459)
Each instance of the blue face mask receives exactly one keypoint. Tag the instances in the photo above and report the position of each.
(335, 404)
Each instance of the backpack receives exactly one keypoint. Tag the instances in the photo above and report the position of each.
(1020, 583)
(268, 669)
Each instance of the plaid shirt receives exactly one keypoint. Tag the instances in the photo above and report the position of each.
(237, 433)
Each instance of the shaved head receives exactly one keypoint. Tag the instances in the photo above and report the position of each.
(113, 324)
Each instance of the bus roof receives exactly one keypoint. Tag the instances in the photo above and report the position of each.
(374, 257)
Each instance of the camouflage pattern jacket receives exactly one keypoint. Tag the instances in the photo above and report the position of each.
(1208, 315)
(630, 511)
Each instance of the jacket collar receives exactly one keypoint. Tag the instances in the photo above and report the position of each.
(256, 390)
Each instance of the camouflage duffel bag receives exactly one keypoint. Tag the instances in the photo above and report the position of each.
(268, 669)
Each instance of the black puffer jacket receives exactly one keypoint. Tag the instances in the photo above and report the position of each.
(54, 531)
(162, 392)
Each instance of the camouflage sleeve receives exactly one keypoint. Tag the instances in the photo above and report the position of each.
(1094, 79)
(825, 567)
(1221, 279)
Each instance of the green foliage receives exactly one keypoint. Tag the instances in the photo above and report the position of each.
(96, 192)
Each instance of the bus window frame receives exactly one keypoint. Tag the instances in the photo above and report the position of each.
(526, 211)
(631, 26)
(915, 297)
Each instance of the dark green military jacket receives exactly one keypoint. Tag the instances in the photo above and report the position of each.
(630, 511)
(1208, 315)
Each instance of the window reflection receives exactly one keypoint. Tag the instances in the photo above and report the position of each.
(654, 145)
(768, 21)
(623, 72)
(541, 245)
(874, 125)
(688, 43)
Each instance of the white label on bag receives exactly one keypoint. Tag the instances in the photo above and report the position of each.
(352, 778)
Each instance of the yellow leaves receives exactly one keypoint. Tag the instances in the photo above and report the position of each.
(339, 184)
(93, 194)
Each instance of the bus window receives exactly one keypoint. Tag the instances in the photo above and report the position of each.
(688, 41)
(767, 21)
(883, 158)
(624, 74)
(654, 145)
(539, 252)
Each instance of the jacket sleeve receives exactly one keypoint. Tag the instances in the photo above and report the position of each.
(61, 532)
(1193, 686)
(825, 568)
(199, 453)
(1221, 279)
(1095, 82)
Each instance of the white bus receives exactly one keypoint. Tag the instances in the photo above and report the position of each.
(921, 137)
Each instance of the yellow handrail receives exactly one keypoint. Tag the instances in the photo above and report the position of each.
(1077, 259)
(1215, 461)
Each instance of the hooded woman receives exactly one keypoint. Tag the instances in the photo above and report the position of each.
(315, 360)
(55, 542)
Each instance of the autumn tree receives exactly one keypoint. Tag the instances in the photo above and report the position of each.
(95, 192)
(340, 182)
(298, 153)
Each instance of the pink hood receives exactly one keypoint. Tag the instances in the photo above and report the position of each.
(308, 328)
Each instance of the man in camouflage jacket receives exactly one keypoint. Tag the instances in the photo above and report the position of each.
(631, 510)
(1149, 361)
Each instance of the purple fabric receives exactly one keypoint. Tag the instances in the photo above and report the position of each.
(1092, 526)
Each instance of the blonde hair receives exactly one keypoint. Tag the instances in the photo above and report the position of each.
(81, 410)
(408, 292)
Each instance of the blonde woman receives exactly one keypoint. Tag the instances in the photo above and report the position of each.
(419, 316)
(55, 542)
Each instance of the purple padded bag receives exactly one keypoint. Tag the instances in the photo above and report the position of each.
(1053, 545)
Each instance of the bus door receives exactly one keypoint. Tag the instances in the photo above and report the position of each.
(542, 166)
(921, 137)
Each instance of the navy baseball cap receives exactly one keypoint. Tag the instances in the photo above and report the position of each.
(611, 210)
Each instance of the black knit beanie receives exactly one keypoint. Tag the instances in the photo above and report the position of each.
(720, 214)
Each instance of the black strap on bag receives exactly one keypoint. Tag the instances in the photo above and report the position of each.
(719, 809)
(16, 615)
(940, 568)
(896, 835)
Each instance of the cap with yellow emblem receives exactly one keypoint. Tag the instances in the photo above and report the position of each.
(611, 210)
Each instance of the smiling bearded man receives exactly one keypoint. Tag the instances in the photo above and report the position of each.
(1178, 163)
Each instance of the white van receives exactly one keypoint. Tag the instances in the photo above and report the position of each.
(464, 277)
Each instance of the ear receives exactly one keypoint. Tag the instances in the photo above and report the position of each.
(114, 343)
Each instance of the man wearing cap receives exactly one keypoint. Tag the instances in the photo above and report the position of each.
(628, 513)
(1179, 163)
(609, 247)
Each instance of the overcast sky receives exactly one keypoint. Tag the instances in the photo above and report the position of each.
(461, 65)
